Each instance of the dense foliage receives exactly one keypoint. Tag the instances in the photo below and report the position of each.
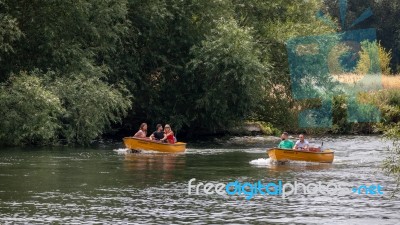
(227, 58)
(74, 70)
(384, 20)
(90, 106)
(29, 111)
(381, 64)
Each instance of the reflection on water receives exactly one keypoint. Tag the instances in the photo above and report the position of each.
(77, 186)
(164, 163)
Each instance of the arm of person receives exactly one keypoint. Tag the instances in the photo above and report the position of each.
(140, 134)
(164, 138)
(306, 146)
(295, 145)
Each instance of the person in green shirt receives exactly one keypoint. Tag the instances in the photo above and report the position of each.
(286, 143)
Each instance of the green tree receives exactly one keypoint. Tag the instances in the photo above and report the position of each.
(384, 20)
(65, 36)
(9, 30)
(165, 31)
(229, 75)
(30, 111)
(91, 106)
(196, 64)
(274, 23)
(73, 43)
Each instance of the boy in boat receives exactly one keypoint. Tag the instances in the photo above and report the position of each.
(158, 134)
(142, 131)
(286, 143)
(301, 144)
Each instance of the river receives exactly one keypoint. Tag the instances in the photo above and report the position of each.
(103, 185)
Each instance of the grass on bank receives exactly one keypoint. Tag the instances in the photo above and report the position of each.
(388, 81)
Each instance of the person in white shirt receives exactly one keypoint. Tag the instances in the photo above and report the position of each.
(301, 144)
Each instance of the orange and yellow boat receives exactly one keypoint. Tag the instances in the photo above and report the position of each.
(149, 145)
(281, 155)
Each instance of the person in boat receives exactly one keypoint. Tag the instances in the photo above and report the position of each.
(142, 133)
(301, 144)
(158, 134)
(169, 135)
(286, 143)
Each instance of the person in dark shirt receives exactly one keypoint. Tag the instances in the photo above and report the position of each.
(158, 134)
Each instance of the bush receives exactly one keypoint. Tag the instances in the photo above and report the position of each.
(374, 59)
(91, 105)
(37, 109)
(388, 103)
(29, 111)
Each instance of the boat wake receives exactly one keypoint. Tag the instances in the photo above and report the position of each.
(261, 162)
(125, 151)
(270, 163)
(122, 151)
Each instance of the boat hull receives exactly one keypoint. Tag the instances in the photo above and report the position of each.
(148, 145)
(278, 154)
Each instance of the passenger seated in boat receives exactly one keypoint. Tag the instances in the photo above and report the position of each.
(169, 135)
(286, 143)
(158, 134)
(142, 131)
(301, 144)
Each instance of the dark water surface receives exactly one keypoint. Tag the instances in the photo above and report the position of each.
(102, 186)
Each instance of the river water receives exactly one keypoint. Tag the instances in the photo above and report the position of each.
(104, 185)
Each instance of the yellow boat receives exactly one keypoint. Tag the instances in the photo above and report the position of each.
(146, 144)
(279, 154)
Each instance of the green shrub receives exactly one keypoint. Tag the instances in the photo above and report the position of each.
(388, 102)
(394, 98)
(29, 111)
(37, 109)
(374, 59)
(91, 105)
(339, 115)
